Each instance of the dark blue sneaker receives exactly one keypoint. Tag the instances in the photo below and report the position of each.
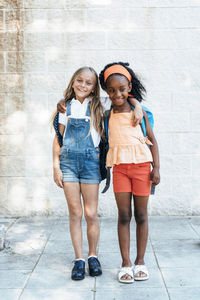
(78, 271)
(94, 266)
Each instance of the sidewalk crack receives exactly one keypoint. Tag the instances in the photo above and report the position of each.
(191, 225)
(160, 269)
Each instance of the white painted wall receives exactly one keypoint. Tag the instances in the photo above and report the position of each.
(43, 42)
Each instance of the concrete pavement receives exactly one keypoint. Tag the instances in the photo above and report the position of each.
(37, 260)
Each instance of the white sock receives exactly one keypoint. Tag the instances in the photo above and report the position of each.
(92, 256)
(79, 259)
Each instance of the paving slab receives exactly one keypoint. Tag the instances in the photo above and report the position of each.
(40, 221)
(109, 228)
(106, 235)
(18, 262)
(66, 246)
(181, 246)
(28, 231)
(63, 219)
(168, 259)
(13, 279)
(132, 293)
(60, 229)
(193, 220)
(195, 223)
(182, 277)
(56, 294)
(7, 222)
(161, 228)
(60, 246)
(108, 222)
(105, 245)
(170, 220)
(62, 232)
(56, 279)
(10, 294)
(184, 293)
(59, 261)
(27, 246)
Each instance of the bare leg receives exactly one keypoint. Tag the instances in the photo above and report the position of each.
(90, 198)
(72, 194)
(141, 218)
(124, 217)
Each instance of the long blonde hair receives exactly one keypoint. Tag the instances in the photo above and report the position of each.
(96, 108)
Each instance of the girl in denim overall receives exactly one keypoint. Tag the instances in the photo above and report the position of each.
(76, 166)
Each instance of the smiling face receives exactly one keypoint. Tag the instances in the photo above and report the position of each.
(84, 84)
(118, 87)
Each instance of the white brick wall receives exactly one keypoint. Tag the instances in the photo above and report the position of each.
(43, 42)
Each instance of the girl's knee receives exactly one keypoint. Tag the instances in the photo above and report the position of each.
(124, 218)
(76, 215)
(140, 218)
(91, 217)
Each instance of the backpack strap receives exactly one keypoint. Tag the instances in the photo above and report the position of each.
(106, 121)
(106, 145)
(68, 108)
(56, 123)
(107, 181)
(56, 128)
(149, 115)
(143, 123)
(88, 114)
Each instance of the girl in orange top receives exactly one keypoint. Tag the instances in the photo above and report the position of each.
(131, 159)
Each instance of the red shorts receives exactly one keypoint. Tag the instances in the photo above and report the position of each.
(134, 178)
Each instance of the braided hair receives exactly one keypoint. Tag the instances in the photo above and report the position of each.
(138, 90)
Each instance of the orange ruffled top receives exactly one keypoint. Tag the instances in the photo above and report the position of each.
(127, 144)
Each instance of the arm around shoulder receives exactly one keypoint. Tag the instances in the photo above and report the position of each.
(61, 106)
(137, 113)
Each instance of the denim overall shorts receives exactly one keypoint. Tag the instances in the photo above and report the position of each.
(79, 159)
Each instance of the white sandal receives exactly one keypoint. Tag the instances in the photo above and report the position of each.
(143, 269)
(123, 271)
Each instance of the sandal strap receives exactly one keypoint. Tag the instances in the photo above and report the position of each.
(141, 268)
(126, 270)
